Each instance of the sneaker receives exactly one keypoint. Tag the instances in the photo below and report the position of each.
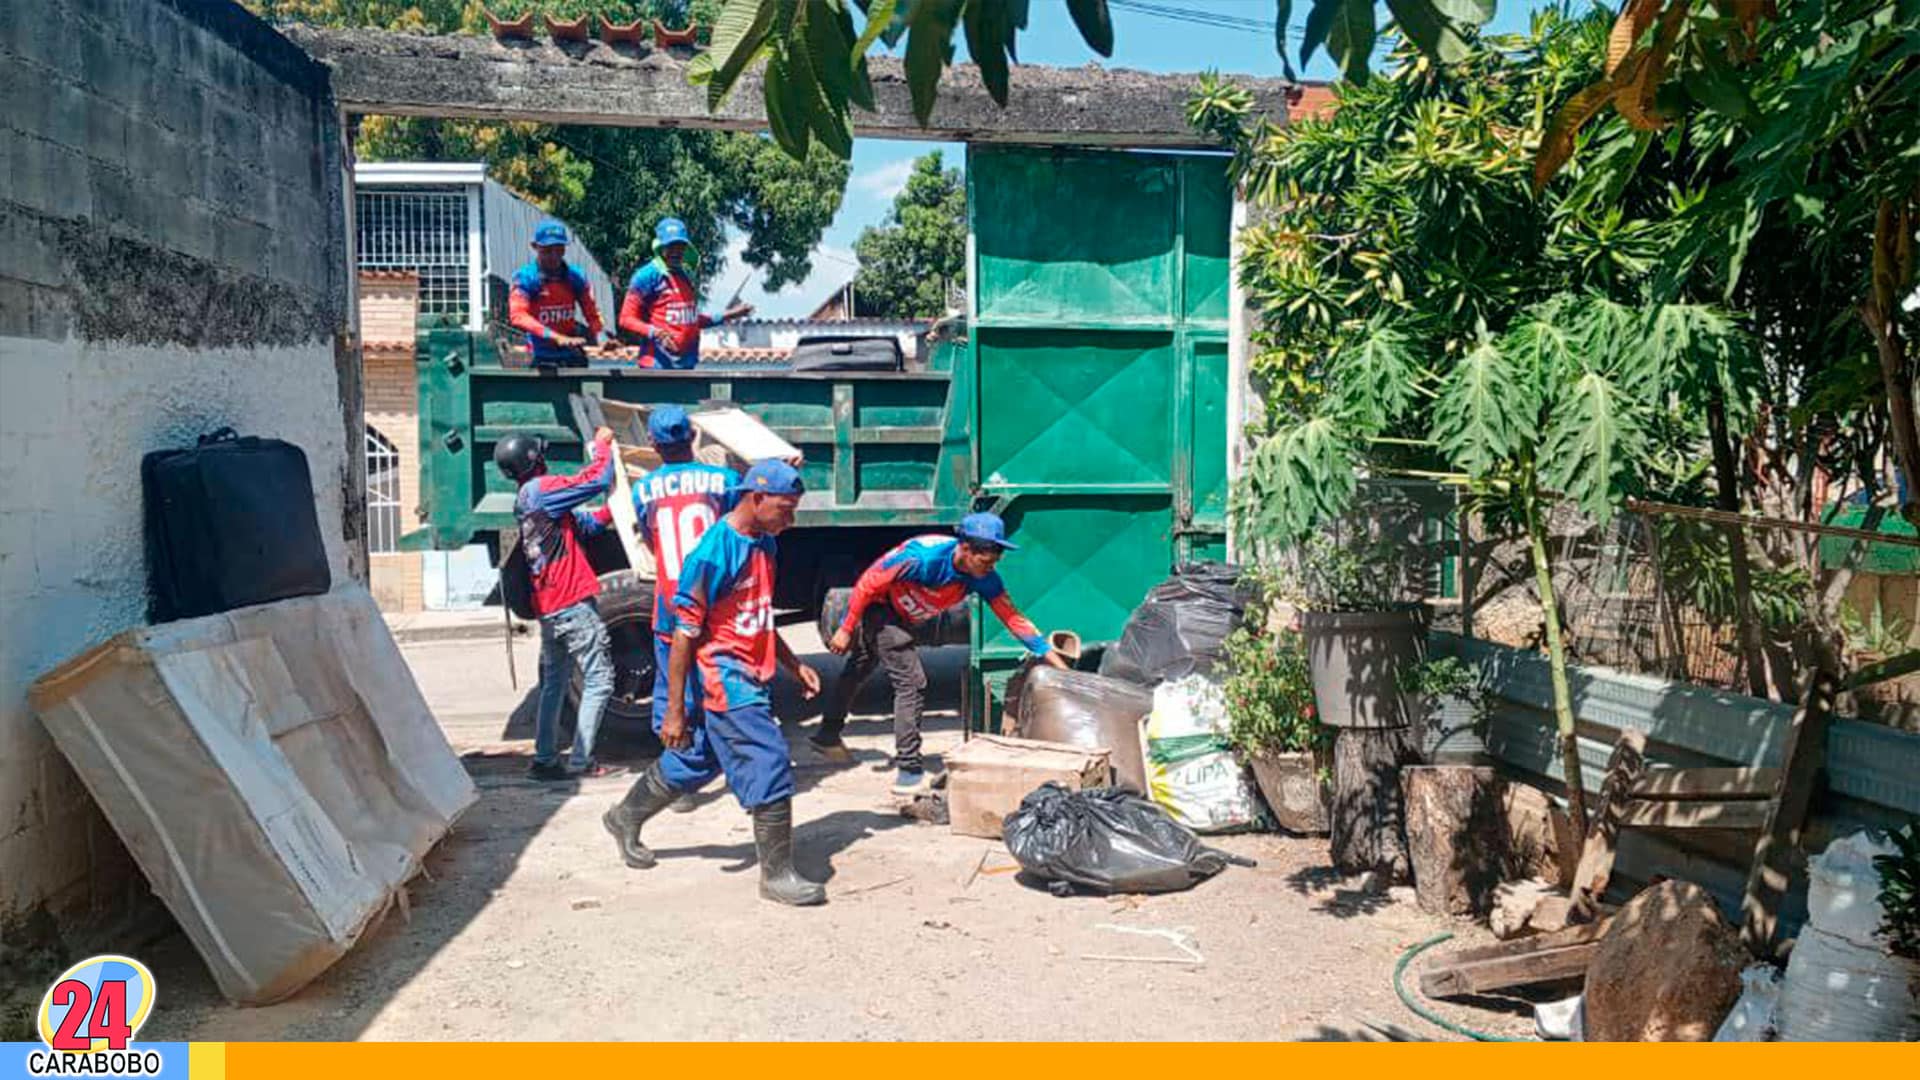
(834, 752)
(911, 782)
(548, 772)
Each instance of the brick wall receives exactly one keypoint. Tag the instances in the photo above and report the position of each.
(393, 410)
(173, 218)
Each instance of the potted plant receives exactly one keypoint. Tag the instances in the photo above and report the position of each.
(615, 31)
(1272, 723)
(568, 20)
(510, 20)
(1453, 710)
(1361, 639)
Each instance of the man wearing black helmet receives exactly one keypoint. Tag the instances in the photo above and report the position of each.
(552, 524)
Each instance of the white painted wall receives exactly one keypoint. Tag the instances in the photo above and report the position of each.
(76, 418)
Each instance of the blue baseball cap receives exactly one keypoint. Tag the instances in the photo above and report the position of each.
(670, 231)
(985, 528)
(771, 476)
(668, 425)
(550, 234)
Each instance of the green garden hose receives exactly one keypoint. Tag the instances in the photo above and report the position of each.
(1427, 1014)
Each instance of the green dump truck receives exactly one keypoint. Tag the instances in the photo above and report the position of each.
(1086, 403)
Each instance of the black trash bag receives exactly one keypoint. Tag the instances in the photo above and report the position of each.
(1107, 841)
(1181, 626)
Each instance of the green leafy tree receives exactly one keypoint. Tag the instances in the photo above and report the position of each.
(909, 263)
(1423, 311)
(612, 184)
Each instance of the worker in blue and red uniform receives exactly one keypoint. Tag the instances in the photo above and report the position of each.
(675, 504)
(723, 627)
(662, 306)
(552, 525)
(545, 294)
(907, 586)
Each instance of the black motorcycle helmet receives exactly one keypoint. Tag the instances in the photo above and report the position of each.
(520, 457)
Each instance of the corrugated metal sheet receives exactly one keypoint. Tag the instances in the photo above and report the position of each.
(508, 229)
(1873, 770)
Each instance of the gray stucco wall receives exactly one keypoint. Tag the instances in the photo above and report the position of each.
(173, 221)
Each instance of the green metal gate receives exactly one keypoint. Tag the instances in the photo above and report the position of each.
(1099, 330)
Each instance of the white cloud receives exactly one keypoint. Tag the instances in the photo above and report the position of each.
(884, 182)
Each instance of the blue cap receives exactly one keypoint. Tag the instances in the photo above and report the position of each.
(771, 476)
(550, 234)
(985, 529)
(668, 425)
(670, 231)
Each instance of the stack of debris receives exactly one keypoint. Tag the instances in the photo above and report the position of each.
(263, 751)
(1668, 965)
(1143, 739)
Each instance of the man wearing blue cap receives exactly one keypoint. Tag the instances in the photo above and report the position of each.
(662, 306)
(907, 586)
(545, 293)
(723, 626)
(675, 504)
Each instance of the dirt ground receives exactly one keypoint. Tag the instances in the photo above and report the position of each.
(529, 927)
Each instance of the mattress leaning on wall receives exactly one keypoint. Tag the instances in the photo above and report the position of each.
(274, 770)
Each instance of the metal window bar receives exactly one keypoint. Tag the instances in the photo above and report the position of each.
(383, 494)
(424, 231)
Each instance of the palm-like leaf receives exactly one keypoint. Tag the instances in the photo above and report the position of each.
(1488, 411)
(1299, 477)
(1594, 440)
(1374, 380)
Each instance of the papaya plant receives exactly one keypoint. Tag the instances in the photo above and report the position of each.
(1556, 408)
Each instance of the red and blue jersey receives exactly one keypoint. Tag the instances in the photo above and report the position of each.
(919, 580)
(676, 504)
(662, 306)
(543, 306)
(725, 603)
(551, 525)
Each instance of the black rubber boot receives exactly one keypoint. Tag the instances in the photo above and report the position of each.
(648, 796)
(773, 837)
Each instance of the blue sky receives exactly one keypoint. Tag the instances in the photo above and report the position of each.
(1143, 41)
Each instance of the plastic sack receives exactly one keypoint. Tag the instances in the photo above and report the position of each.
(1561, 1021)
(1191, 768)
(1180, 627)
(1079, 708)
(1105, 840)
(1752, 1018)
(1841, 983)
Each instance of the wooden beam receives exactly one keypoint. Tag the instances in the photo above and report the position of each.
(1559, 939)
(469, 77)
(1805, 759)
(1716, 784)
(1675, 814)
(1545, 958)
(1624, 768)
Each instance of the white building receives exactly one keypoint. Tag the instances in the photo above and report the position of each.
(434, 242)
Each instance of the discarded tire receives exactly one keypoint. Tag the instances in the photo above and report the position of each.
(626, 606)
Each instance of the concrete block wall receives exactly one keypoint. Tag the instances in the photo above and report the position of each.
(172, 206)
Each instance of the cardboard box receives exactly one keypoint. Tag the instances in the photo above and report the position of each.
(988, 775)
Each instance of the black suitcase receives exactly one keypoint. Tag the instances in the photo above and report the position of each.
(839, 353)
(230, 522)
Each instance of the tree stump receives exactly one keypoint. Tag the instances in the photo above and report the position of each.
(1456, 836)
(1368, 816)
